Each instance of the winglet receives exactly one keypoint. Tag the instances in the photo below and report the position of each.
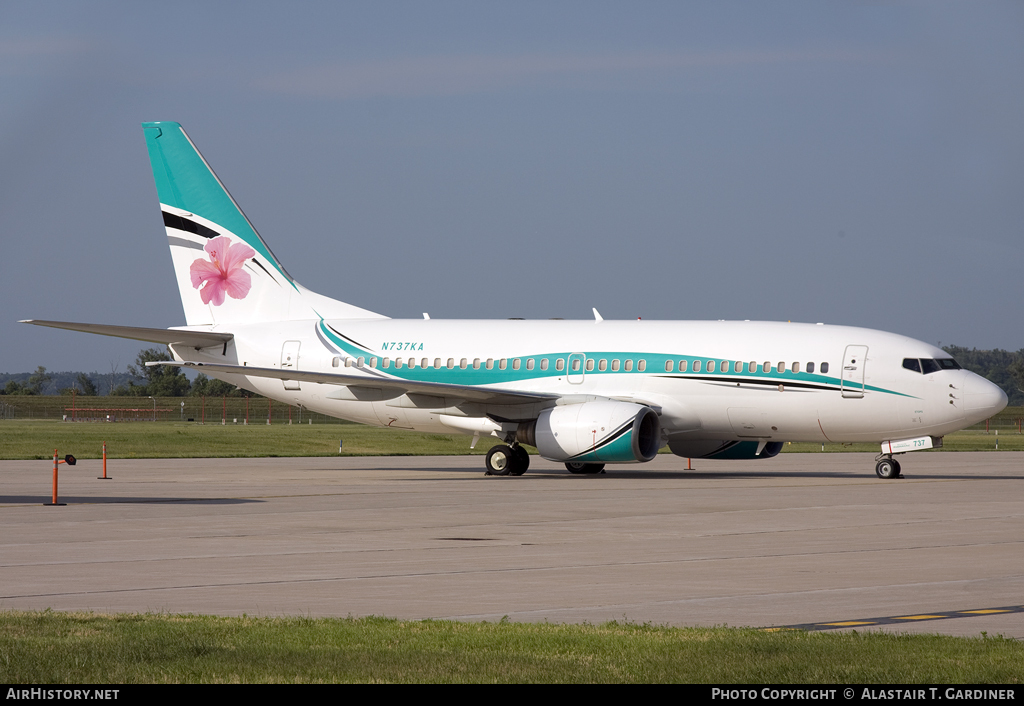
(597, 315)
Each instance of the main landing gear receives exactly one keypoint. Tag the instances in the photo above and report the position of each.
(506, 460)
(512, 460)
(887, 467)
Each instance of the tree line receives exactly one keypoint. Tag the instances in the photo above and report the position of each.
(1004, 368)
(139, 381)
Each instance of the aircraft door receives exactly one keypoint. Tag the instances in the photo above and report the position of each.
(290, 361)
(574, 368)
(854, 362)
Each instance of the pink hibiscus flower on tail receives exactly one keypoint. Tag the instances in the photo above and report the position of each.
(222, 273)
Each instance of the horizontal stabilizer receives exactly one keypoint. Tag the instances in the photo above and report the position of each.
(466, 392)
(194, 339)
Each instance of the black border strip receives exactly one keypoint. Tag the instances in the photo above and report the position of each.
(750, 381)
(172, 220)
(353, 342)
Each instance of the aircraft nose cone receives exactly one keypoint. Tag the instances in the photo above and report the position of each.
(980, 395)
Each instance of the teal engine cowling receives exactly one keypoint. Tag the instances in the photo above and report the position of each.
(601, 431)
(735, 450)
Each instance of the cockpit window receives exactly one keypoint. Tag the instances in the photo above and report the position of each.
(930, 365)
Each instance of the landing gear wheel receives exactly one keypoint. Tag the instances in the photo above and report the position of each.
(522, 461)
(899, 471)
(887, 468)
(584, 468)
(500, 460)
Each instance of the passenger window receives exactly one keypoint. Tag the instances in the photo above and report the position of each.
(641, 365)
(437, 363)
(781, 367)
(824, 368)
(360, 361)
(463, 364)
(424, 362)
(711, 366)
(668, 366)
(696, 366)
(398, 363)
(450, 364)
(559, 364)
(737, 367)
(682, 366)
(411, 363)
(628, 366)
(503, 363)
(752, 367)
(724, 366)
(543, 363)
(476, 364)
(490, 363)
(602, 365)
(810, 367)
(575, 365)
(515, 363)
(615, 365)
(529, 363)
(386, 363)
(767, 367)
(795, 368)
(590, 364)
(336, 362)
(373, 362)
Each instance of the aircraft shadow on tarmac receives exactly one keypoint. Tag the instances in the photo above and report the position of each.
(700, 475)
(89, 500)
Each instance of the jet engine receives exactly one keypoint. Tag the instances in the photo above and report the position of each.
(602, 431)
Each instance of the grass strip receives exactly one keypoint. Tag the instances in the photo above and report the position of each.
(36, 439)
(52, 648)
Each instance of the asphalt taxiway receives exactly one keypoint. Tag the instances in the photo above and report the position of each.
(801, 539)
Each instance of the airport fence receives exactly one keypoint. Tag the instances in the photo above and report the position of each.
(208, 410)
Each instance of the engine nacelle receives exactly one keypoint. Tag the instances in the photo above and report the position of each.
(735, 450)
(602, 431)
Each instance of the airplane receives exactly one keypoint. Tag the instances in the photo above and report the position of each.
(584, 393)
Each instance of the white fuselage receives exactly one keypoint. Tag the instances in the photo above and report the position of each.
(761, 385)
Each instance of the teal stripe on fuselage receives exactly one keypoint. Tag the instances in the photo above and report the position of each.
(655, 367)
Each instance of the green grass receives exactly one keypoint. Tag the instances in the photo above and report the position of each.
(966, 440)
(36, 439)
(52, 648)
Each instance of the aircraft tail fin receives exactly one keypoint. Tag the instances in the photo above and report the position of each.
(225, 272)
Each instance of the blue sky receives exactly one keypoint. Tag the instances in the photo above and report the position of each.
(854, 163)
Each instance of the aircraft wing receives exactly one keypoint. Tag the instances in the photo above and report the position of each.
(466, 392)
(194, 339)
